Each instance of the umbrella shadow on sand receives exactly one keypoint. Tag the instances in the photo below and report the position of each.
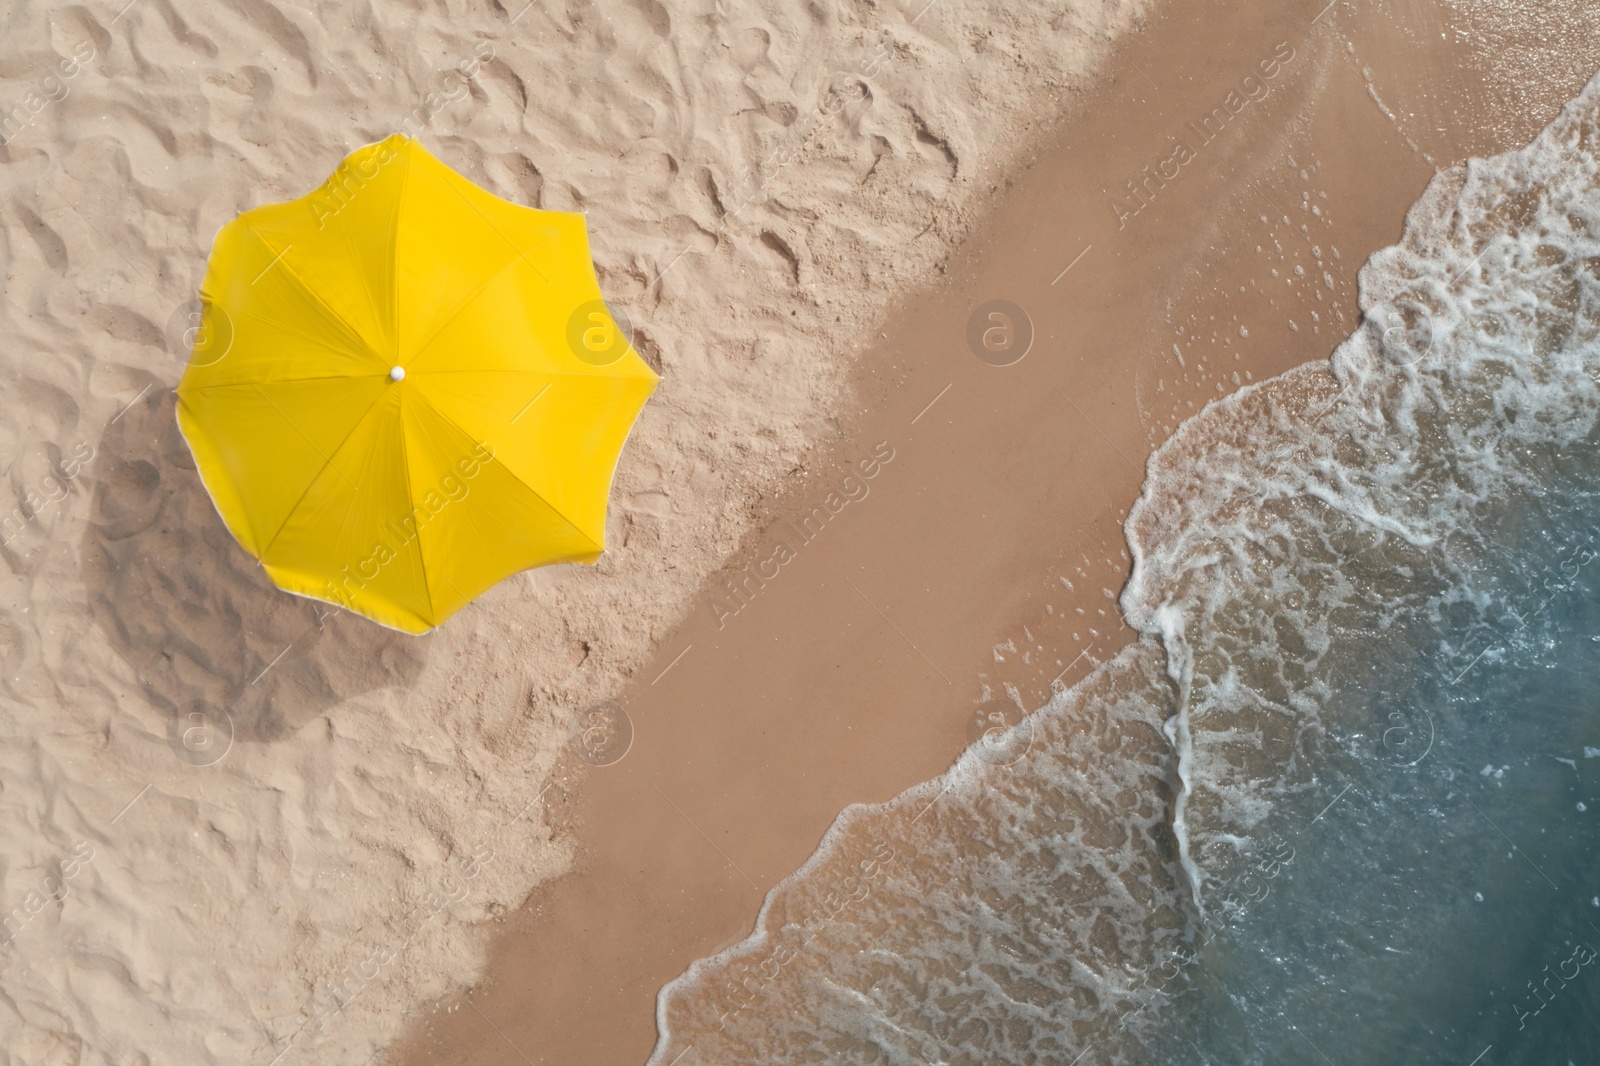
(216, 642)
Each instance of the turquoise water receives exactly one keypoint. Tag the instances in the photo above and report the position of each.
(1340, 803)
(1426, 913)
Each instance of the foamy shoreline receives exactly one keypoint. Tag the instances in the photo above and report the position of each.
(977, 563)
(1084, 894)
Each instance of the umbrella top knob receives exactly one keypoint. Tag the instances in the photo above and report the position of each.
(397, 373)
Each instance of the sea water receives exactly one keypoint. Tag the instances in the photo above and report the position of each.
(1341, 803)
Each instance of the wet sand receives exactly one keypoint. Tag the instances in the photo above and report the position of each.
(842, 661)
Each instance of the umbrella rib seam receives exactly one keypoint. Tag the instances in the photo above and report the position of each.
(298, 334)
(366, 291)
(405, 443)
(283, 381)
(394, 249)
(312, 293)
(458, 312)
(321, 470)
(546, 373)
(351, 377)
(411, 498)
(514, 475)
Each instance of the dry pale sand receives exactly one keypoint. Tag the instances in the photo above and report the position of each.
(839, 656)
(283, 831)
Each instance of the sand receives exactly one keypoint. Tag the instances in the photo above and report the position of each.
(239, 831)
(286, 829)
(840, 655)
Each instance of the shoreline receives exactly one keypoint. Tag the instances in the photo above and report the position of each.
(847, 675)
(347, 820)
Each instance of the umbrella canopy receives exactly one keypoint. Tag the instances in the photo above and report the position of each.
(405, 388)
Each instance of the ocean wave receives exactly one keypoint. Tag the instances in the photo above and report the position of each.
(1329, 569)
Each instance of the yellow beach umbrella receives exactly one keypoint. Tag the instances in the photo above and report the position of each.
(405, 388)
